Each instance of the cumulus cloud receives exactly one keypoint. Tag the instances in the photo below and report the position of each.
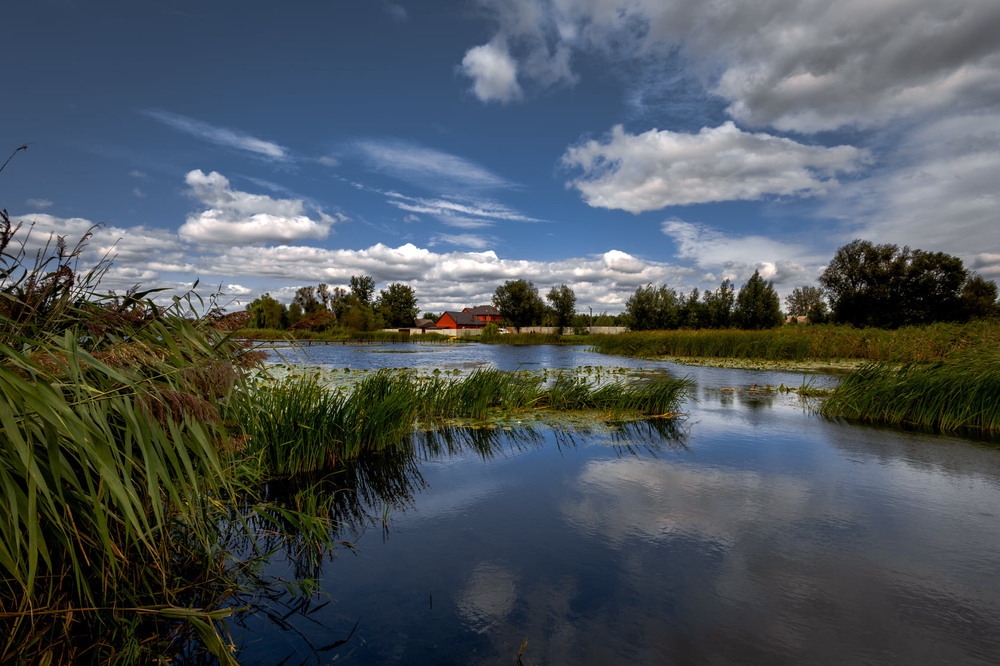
(493, 72)
(233, 216)
(426, 167)
(41, 204)
(221, 136)
(802, 66)
(655, 169)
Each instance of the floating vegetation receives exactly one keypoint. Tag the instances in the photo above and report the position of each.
(962, 394)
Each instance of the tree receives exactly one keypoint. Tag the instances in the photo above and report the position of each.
(563, 302)
(719, 305)
(932, 288)
(803, 299)
(398, 305)
(979, 298)
(652, 308)
(862, 280)
(757, 304)
(693, 313)
(363, 288)
(881, 285)
(518, 302)
(306, 298)
(267, 312)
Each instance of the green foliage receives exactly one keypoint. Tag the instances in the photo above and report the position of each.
(299, 427)
(719, 305)
(909, 344)
(116, 494)
(398, 305)
(491, 333)
(883, 286)
(652, 308)
(518, 302)
(363, 288)
(979, 298)
(563, 302)
(267, 312)
(961, 394)
(757, 305)
(804, 300)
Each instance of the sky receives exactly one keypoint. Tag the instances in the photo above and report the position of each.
(454, 145)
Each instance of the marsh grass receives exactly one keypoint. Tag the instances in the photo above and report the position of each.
(299, 426)
(118, 488)
(962, 394)
(922, 344)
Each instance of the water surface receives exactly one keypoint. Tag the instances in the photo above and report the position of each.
(757, 532)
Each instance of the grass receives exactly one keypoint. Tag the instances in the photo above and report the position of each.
(959, 395)
(298, 426)
(800, 343)
(118, 483)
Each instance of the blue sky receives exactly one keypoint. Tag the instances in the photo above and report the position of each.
(603, 144)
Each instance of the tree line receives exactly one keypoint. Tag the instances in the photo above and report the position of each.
(322, 308)
(865, 284)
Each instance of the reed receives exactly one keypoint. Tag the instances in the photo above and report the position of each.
(962, 394)
(798, 343)
(300, 427)
(117, 483)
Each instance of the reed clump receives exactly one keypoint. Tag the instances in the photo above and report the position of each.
(298, 426)
(961, 394)
(915, 344)
(116, 499)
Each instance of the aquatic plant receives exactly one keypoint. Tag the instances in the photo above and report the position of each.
(116, 470)
(797, 343)
(962, 394)
(298, 426)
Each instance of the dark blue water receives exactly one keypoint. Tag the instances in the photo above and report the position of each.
(756, 533)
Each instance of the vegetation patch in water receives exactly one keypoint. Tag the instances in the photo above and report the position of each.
(962, 394)
(298, 425)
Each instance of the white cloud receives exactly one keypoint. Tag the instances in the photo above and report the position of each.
(240, 217)
(138, 193)
(135, 173)
(222, 136)
(38, 203)
(655, 169)
(736, 257)
(802, 66)
(426, 167)
(493, 71)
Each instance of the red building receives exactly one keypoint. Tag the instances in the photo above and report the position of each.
(476, 317)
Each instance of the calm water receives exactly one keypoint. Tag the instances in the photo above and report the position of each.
(757, 533)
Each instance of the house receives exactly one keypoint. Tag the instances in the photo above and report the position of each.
(486, 313)
(476, 317)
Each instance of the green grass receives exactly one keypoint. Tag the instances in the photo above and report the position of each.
(298, 426)
(961, 394)
(798, 343)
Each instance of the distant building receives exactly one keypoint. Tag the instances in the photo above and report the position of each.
(476, 317)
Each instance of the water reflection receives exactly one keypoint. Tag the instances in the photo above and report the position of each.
(752, 532)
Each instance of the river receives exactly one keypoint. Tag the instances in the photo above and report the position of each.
(754, 532)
